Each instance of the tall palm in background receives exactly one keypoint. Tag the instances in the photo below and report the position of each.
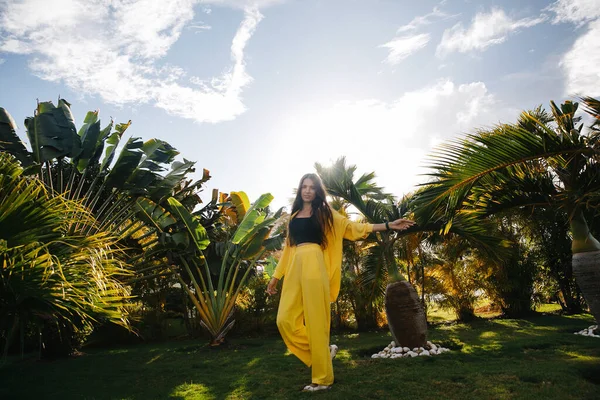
(541, 161)
(380, 274)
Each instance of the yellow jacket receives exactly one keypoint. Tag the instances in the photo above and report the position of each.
(343, 228)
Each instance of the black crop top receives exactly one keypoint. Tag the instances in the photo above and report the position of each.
(304, 230)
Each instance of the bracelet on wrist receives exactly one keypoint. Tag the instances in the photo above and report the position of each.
(387, 226)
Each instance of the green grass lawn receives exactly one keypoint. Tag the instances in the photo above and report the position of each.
(436, 314)
(537, 358)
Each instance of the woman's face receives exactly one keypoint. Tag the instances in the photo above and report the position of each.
(307, 190)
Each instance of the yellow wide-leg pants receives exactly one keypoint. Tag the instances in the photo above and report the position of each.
(304, 313)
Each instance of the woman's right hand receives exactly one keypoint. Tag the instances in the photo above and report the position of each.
(272, 286)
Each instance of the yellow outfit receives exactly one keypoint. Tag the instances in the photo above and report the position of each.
(313, 279)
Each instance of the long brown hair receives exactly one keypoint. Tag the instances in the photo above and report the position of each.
(320, 207)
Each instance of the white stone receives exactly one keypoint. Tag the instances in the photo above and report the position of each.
(424, 353)
(393, 344)
(412, 354)
(433, 346)
(590, 331)
(433, 352)
(415, 349)
(397, 350)
(375, 356)
(405, 349)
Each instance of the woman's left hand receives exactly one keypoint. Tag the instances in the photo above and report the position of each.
(401, 224)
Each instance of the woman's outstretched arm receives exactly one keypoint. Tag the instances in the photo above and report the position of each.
(398, 225)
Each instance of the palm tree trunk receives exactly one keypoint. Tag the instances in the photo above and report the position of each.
(405, 315)
(586, 268)
(586, 263)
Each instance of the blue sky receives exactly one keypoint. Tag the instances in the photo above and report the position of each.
(258, 91)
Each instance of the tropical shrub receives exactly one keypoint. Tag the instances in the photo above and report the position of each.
(56, 278)
(126, 191)
(241, 251)
(541, 161)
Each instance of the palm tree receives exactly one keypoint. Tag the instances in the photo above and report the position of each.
(53, 276)
(540, 161)
(380, 274)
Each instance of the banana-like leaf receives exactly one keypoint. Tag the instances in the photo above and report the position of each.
(154, 214)
(274, 242)
(89, 143)
(112, 141)
(159, 151)
(127, 162)
(178, 240)
(139, 181)
(255, 244)
(164, 185)
(52, 132)
(9, 141)
(241, 203)
(193, 225)
(104, 134)
(66, 117)
(252, 218)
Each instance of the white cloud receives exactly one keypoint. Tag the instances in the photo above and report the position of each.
(112, 48)
(486, 29)
(2, 61)
(402, 47)
(242, 4)
(426, 19)
(392, 138)
(577, 12)
(148, 28)
(581, 64)
(221, 102)
(199, 27)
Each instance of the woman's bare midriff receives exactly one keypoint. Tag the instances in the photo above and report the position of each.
(302, 244)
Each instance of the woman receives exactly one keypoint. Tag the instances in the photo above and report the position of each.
(311, 263)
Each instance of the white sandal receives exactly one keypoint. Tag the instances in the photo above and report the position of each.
(313, 387)
(333, 349)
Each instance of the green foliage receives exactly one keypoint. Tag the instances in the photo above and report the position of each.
(52, 132)
(548, 231)
(242, 250)
(456, 275)
(256, 311)
(532, 163)
(9, 141)
(127, 191)
(52, 273)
